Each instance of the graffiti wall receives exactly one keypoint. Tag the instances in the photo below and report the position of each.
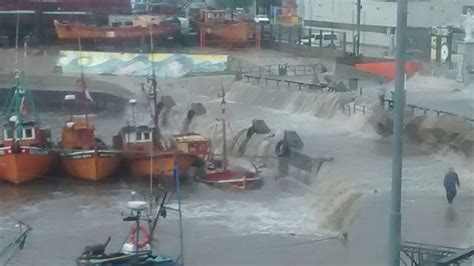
(165, 65)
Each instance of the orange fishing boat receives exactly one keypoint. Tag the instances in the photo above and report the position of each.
(83, 155)
(26, 152)
(142, 152)
(213, 26)
(144, 148)
(142, 26)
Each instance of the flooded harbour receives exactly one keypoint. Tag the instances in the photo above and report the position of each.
(298, 218)
(216, 133)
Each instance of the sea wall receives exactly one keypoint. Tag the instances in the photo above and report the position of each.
(134, 64)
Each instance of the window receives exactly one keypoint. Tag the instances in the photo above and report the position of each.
(28, 133)
(8, 134)
(330, 37)
(146, 136)
(138, 136)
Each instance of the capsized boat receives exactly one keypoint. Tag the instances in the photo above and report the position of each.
(83, 155)
(142, 26)
(26, 150)
(139, 246)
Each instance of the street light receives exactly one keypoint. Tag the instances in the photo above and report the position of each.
(395, 212)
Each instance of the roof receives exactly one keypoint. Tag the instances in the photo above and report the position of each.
(193, 137)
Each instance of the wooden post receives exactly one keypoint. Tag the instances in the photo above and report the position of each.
(290, 31)
(310, 33)
(279, 33)
(299, 35)
(321, 38)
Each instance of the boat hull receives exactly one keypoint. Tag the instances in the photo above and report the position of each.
(91, 165)
(72, 31)
(162, 165)
(237, 33)
(27, 164)
(233, 179)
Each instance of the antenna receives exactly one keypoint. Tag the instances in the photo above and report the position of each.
(224, 141)
(16, 39)
(82, 82)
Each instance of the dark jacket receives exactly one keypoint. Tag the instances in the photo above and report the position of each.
(450, 180)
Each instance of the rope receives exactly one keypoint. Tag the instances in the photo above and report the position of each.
(301, 243)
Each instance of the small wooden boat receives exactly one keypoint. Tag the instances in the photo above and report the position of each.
(231, 177)
(220, 174)
(83, 155)
(158, 28)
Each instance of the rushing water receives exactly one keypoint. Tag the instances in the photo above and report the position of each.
(277, 225)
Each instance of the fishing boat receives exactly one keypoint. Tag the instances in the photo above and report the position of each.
(141, 26)
(221, 174)
(83, 155)
(213, 26)
(25, 151)
(139, 246)
(143, 145)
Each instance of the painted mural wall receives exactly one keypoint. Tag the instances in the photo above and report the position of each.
(165, 65)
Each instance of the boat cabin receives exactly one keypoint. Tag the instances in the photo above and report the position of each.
(192, 143)
(135, 139)
(29, 135)
(78, 135)
(212, 16)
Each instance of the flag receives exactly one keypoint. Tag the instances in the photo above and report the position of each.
(88, 95)
(23, 108)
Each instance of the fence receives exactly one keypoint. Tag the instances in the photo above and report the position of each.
(311, 37)
(300, 85)
(288, 70)
(349, 109)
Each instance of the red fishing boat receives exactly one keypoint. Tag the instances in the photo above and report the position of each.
(221, 174)
(141, 26)
(26, 152)
(83, 155)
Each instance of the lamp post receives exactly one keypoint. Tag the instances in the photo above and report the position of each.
(395, 212)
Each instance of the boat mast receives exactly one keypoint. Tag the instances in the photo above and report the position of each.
(224, 141)
(82, 83)
(17, 100)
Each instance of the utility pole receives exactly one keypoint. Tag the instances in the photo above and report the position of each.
(395, 213)
(357, 40)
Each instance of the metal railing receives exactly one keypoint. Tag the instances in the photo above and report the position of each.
(300, 85)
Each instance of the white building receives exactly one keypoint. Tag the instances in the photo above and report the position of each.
(379, 18)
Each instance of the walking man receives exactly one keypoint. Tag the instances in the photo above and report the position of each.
(451, 179)
(382, 92)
